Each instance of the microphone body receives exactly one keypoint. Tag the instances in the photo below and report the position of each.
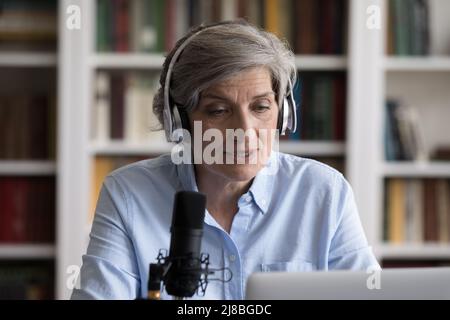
(184, 272)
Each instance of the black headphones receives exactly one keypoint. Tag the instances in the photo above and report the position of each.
(176, 117)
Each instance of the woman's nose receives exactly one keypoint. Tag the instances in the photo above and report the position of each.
(242, 120)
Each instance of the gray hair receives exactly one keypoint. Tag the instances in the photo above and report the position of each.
(219, 52)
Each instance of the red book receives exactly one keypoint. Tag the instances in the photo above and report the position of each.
(242, 9)
(3, 208)
(339, 107)
(19, 215)
(327, 25)
(305, 30)
(7, 208)
(121, 19)
(38, 108)
(430, 210)
(216, 10)
(117, 106)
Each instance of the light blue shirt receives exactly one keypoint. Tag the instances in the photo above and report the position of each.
(300, 216)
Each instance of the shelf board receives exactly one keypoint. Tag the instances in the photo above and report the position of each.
(313, 148)
(437, 63)
(27, 251)
(414, 251)
(25, 59)
(21, 168)
(127, 61)
(155, 61)
(416, 169)
(293, 147)
(320, 62)
(124, 148)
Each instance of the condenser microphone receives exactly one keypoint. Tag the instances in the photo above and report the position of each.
(185, 271)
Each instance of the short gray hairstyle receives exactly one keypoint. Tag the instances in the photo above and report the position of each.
(219, 52)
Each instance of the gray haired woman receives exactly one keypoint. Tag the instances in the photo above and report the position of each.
(265, 210)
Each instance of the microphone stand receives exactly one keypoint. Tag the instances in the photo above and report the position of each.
(158, 272)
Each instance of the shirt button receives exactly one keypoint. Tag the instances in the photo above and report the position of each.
(232, 257)
(263, 201)
(248, 198)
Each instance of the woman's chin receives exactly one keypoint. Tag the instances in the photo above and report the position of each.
(238, 172)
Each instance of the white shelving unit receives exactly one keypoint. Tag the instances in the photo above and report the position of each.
(421, 82)
(369, 73)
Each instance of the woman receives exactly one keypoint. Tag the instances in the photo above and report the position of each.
(275, 213)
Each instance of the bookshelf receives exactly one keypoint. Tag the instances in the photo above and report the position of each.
(420, 82)
(371, 76)
(28, 166)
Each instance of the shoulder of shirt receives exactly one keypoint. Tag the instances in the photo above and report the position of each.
(153, 165)
(292, 164)
(289, 160)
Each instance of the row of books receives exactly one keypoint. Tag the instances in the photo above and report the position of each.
(417, 211)
(27, 209)
(26, 280)
(310, 26)
(403, 135)
(408, 27)
(25, 22)
(322, 106)
(27, 127)
(123, 107)
(317, 27)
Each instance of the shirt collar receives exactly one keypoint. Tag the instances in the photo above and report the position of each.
(262, 185)
(260, 190)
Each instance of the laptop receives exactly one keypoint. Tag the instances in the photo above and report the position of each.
(413, 283)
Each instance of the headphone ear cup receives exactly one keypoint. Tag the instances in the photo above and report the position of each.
(184, 119)
(284, 116)
(280, 118)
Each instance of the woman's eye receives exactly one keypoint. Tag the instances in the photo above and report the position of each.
(262, 108)
(217, 112)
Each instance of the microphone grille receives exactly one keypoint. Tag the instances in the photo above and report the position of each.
(189, 210)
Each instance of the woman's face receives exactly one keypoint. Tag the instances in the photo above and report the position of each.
(245, 101)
